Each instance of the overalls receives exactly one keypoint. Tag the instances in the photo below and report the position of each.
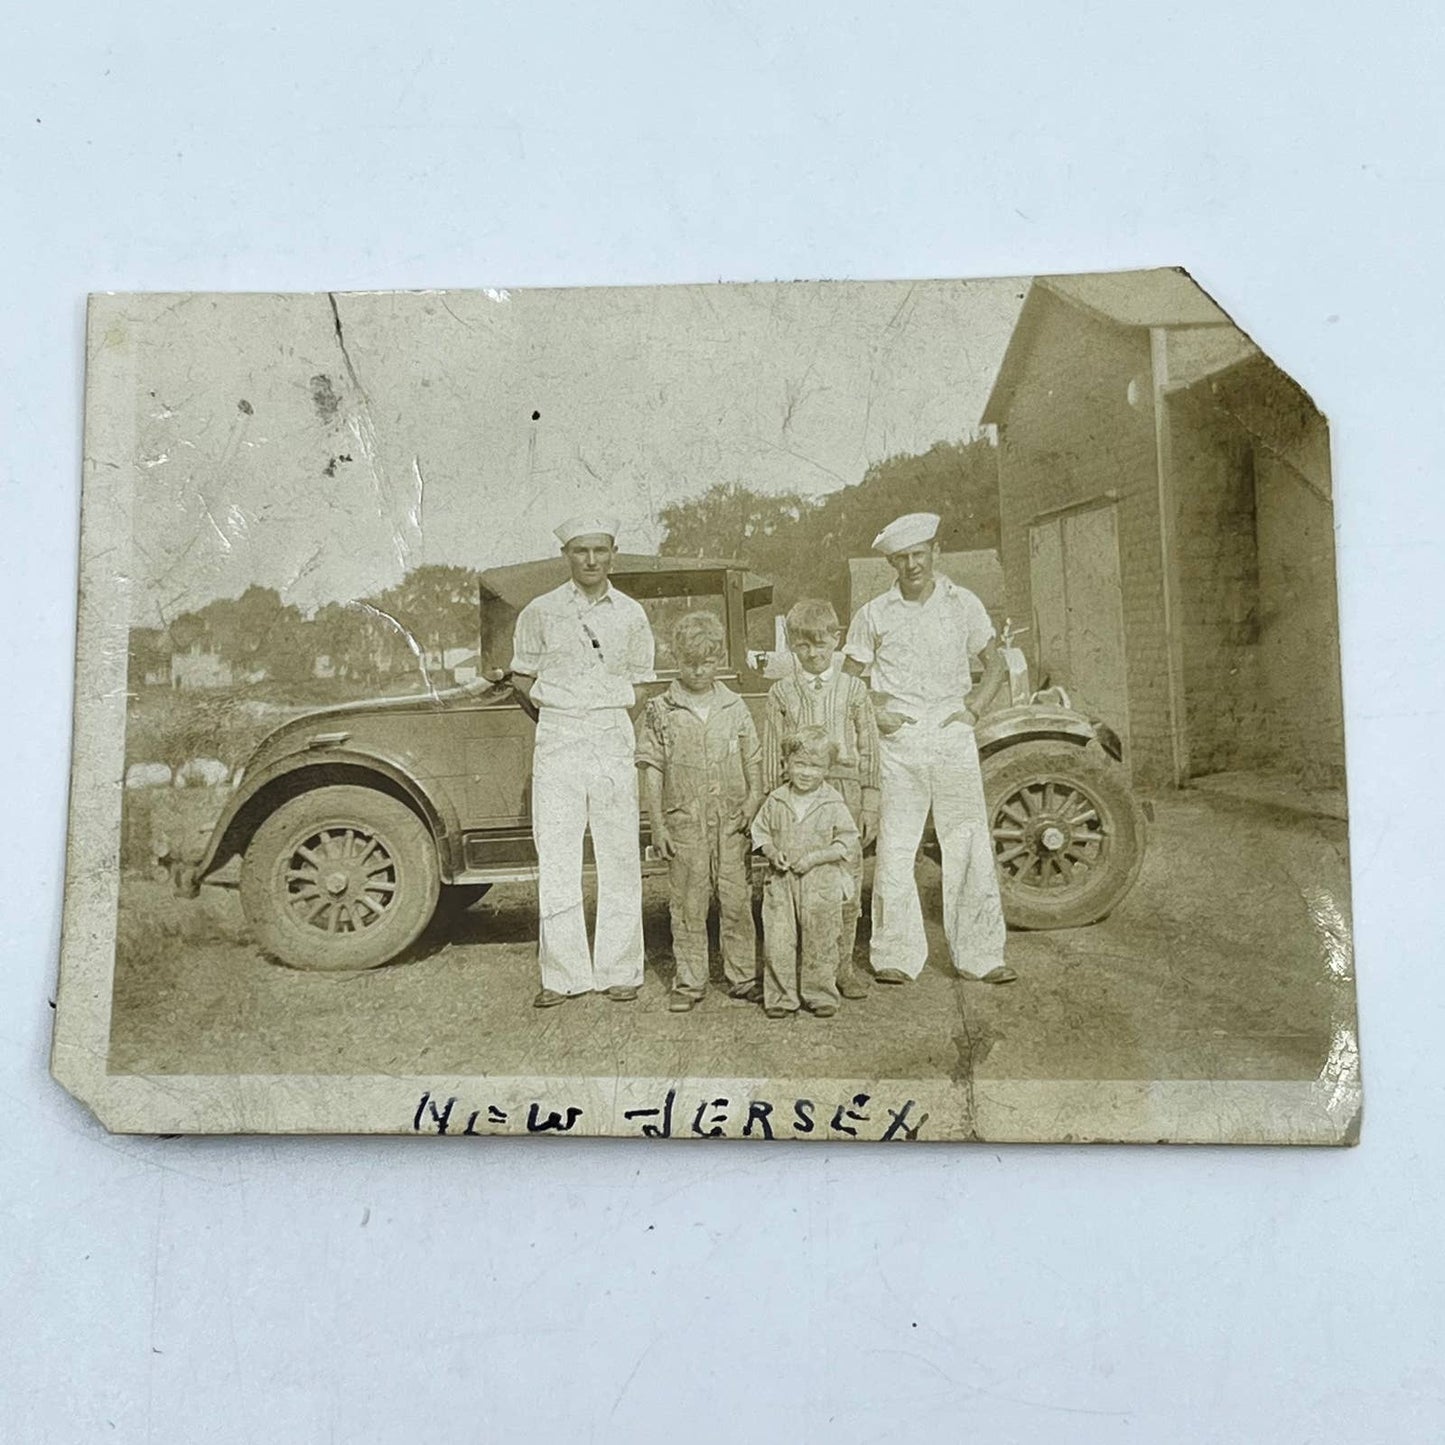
(802, 913)
(705, 763)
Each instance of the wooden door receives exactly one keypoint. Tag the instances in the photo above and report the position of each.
(1079, 611)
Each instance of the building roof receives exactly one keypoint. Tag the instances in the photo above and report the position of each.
(1276, 411)
(1205, 354)
(635, 573)
(1167, 297)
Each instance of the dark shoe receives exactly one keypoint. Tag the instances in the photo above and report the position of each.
(853, 988)
(550, 998)
(681, 1003)
(821, 1010)
(622, 993)
(1002, 974)
(779, 1013)
(891, 975)
(748, 992)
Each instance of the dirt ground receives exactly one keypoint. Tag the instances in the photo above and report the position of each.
(1230, 960)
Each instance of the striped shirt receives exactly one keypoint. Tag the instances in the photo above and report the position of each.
(834, 700)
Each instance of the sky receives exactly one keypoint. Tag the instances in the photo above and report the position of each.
(325, 445)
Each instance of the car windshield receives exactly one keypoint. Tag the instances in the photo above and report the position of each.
(663, 613)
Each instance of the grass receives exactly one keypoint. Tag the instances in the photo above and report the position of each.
(156, 931)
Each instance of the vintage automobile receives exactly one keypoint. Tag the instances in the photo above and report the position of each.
(356, 825)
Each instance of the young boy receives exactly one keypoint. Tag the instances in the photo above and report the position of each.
(810, 841)
(821, 694)
(702, 784)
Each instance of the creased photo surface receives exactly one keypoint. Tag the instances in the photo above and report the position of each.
(892, 711)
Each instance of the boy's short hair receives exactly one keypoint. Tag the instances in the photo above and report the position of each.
(698, 636)
(811, 619)
(812, 741)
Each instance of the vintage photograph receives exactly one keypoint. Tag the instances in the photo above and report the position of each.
(813, 710)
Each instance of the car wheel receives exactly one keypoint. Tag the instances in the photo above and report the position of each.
(339, 878)
(1068, 833)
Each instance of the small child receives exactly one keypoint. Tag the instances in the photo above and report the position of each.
(702, 783)
(810, 841)
(820, 693)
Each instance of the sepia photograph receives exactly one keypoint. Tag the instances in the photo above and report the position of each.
(887, 710)
(852, 590)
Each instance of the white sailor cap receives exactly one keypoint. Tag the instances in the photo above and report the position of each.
(586, 524)
(912, 530)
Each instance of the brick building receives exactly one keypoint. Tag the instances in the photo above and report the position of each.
(1166, 527)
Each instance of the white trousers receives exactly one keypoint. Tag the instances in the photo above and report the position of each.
(925, 767)
(584, 776)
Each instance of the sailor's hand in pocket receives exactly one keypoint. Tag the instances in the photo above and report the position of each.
(890, 721)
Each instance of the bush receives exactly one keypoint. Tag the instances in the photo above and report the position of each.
(173, 726)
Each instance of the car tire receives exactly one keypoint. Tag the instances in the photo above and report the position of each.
(1068, 833)
(339, 878)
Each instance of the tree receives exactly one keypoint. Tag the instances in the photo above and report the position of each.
(803, 544)
(253, 633)
(342, 633)
(958, 480)
(185, 630)
(437, 606)
(149, 655)
(728, 520)
(258, 633)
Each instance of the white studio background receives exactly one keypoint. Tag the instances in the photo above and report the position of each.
(278, 1290)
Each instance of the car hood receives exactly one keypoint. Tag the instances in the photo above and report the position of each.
(295, 733)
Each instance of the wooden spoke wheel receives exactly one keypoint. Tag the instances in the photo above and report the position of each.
(339, 878)
(1068, 834)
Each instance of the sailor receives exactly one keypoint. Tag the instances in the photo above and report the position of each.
(914, 645)
(580, 653)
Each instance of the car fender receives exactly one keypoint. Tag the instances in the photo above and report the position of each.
(262, 791)
(1028, 722)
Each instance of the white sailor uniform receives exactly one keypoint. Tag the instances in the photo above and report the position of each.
(586, 656)
(916, 657)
